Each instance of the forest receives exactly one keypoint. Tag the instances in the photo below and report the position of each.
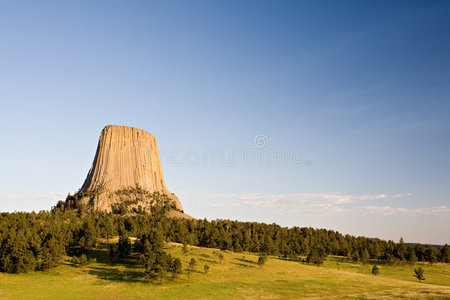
(40, 241)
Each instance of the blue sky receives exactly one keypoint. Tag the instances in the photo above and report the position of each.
(331, 114)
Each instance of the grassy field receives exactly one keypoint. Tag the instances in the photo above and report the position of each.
(237, 276)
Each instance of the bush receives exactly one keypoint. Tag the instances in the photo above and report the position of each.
(375, 270)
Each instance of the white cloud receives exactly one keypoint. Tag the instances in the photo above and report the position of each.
(272, 200)
(401, 195)
(389, 210)
(30, 195)
(320, 204)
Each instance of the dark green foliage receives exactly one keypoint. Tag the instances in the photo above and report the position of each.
(364, 256)
(30, 241)
(107, 227)
(83, 260)
(431, 255)
(418, 273)
(39, 241)
(314, 257)
(206, 269)
(400, 250)
(262, 259)
(445, 254)
(355, 255)
(390, 259)
(375, 270)
(176, 268)
(412, 257)
(317, 255)
(192, 263)
(123, 247)
(112, 250)
(87, 236)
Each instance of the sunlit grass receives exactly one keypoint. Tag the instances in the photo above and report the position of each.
(238, 276)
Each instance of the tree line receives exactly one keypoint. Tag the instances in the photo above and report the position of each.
(39, 241)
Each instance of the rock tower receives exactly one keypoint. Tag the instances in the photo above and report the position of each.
(126, 170)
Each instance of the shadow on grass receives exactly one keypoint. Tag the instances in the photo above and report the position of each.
(207, 260)
(243, 265)
(246, 261)
(116, 274)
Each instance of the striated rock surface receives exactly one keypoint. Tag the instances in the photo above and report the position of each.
(126, 170)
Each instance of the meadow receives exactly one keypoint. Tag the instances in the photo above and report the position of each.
(237, 275)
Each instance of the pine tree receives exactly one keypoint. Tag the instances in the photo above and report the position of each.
(375, 270)
(445, 254)
(176, 268)
(123, 247)
(364, 256)
(206, 269)
(418, 273)
(412, 257)
(192, 263)
(88, 235)
(262, 259)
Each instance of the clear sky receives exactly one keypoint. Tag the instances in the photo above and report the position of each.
(331, 114)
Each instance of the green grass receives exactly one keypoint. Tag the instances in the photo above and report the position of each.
(238, 276)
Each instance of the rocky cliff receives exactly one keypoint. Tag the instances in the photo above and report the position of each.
(126, 171)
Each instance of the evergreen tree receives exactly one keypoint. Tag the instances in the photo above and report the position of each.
(355, 255)
(192, 263)
(418, 273)
(262, 259)
(314, 257)
(431, 254)
(412, 257)
(176, 268)
(445, 254)
(364, 256)
(123, 247)
(206, 269)
(88, 235)
(400, 250)
(375, 270)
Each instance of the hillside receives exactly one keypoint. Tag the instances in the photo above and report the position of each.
(236, 276)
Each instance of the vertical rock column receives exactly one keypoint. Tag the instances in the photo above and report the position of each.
(126, 157)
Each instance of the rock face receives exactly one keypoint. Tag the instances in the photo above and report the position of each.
(126, 163)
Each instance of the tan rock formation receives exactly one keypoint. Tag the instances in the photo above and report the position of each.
(126, 164)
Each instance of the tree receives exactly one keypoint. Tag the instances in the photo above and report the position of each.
(355, 255)
(364, 256)
(418, 273)
(83, 260)
(88, 235)
(445, 254)
(161, 264)
(176, 268)
(314, 257)
(262, 259)
(123, 247)
(206, 269)
(431, 254)
(268, 246)
(185, 250)
(390, 259)
(400, 249)
(107, 227)
(150, 247)
(375, 270)
(192, 263)
(412, 257)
